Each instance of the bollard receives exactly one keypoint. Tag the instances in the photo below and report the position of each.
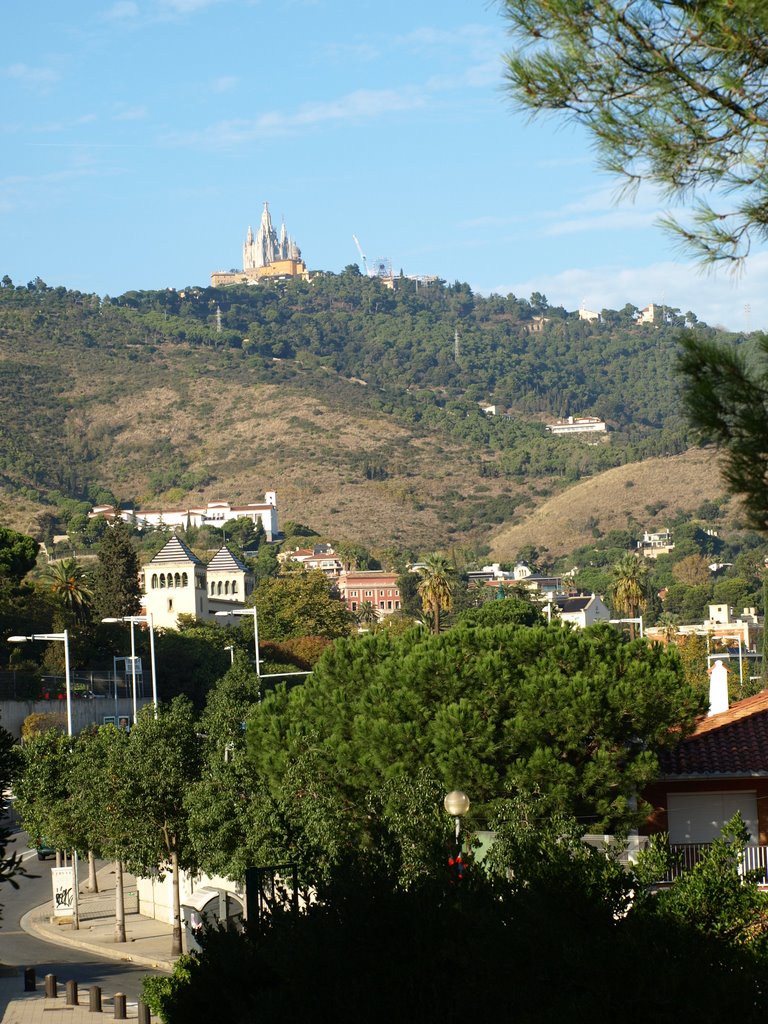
(94, 999)
(120, 1013)
(71, 987)
(30, 981)
(51, 986)
(144, 1015)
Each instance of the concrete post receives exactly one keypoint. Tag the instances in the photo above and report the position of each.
(94, 999)
(30, 981)
(51, 985)
(71, 987)
(120, 1013)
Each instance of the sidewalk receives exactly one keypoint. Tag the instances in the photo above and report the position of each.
(148, 943)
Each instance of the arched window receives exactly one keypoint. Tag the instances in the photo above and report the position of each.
(170, 579)
(226, 586)
(154, 581)
(177, 580)
(184, 579)
(162, 580)
(234, 586)
(219, 587)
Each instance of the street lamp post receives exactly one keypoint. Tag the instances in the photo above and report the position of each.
(457, 804)
(63, 638)
(249, 611)
(133, 619)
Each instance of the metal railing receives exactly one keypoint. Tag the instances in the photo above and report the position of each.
(687, 855)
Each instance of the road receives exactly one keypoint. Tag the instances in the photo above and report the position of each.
(17, 948)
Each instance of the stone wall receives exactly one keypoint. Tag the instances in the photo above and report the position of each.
(84, 712)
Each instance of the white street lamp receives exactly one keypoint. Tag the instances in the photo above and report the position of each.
(63, 638)
(457, 804)
(249, 611)
(133, 619)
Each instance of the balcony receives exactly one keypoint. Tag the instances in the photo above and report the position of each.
(687, 855)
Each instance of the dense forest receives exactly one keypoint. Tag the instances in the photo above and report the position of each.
(420, 357)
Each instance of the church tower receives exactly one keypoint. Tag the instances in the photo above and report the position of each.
(265, 255)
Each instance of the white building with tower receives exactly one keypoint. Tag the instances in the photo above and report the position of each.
(214, 513)
(176, 582)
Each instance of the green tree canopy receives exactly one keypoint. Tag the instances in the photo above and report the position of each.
(674, 93)
(162, 764)
(18, 554)
(43, 791)
(575, 716)
(116, 589)
(548, 941)
(726, 399)
(300, 604)
(511, 611)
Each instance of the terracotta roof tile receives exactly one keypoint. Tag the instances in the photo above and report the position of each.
(733, 742)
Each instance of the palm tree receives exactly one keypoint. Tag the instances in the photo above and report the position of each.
(436, 588)
(367, 615)
(630, 587)
(70, 585)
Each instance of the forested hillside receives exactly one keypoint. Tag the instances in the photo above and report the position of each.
(358, 404)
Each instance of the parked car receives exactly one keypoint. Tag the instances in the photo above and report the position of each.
(44, 850)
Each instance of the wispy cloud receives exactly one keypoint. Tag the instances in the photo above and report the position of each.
(476, 76)
(29, 75)
(131, 114)
(186, 6)
(595, 210)
(225, 83)
(361, 105)
(346, 53)
(477, 39)
(56, 127)
(123, 10)
(473, 51)
(609, 220)
(715, 298)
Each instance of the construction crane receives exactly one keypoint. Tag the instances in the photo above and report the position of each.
(362, 257)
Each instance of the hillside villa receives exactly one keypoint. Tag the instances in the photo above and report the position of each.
(214, 513)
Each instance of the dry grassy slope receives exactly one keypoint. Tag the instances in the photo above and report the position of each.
(258, 437)
(129, 418)
(561, 523)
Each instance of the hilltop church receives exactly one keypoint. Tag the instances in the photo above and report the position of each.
(265, 255)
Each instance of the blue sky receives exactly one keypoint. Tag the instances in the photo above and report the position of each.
(140, 138)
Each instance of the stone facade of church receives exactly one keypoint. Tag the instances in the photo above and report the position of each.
(175, 582)
(265, 255)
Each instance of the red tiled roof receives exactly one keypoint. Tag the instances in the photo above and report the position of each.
(733, 742)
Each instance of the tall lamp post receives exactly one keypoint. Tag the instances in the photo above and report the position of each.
(63, 638)
(249, 611)
(133, 619)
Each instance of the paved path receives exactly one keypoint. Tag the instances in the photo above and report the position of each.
(148, 943)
